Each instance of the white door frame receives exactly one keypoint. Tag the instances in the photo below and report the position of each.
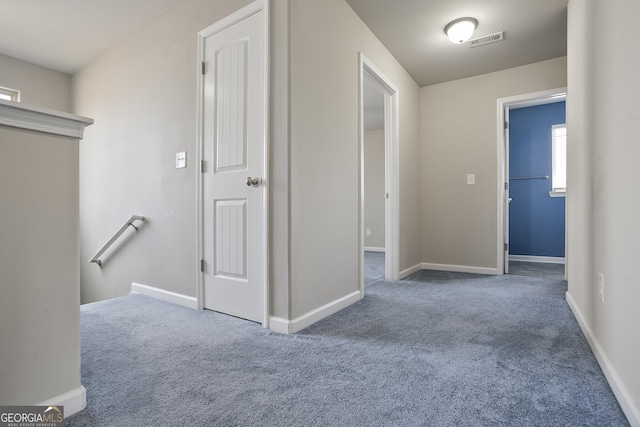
(391, 137)
(504, 104)
(224, 23)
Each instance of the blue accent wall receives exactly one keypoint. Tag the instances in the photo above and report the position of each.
(536, 221)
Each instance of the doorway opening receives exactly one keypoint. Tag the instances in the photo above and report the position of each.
(374, 184)
(378, 174)
(532, 229)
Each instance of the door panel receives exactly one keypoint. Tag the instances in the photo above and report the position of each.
(230, 239)
(234, 144)
(231, 81)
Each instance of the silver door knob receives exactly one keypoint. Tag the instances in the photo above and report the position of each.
(253, 182)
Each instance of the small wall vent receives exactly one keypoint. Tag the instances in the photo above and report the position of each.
(491, 38)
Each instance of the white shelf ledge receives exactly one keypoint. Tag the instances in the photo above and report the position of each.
(24, 116)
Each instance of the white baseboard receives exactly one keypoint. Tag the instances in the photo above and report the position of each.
(617, 385)
(460, 268)
(531, 258)
(278, 324)
(374, 249)
(409, 271)
(184, 300)
(285, 326)
(73, 401)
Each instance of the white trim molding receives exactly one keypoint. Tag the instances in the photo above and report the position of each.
(448, 267)
(502, 104)
(557, 194)
(285, 326)
(280, 325)
(40, 119)
(541, 259)
(161, 294)
(409, 271)
(368, 70)
(625, 399)
(374, 249)
(460, 268)
(73, 401)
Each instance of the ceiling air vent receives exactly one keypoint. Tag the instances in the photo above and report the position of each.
(491, 38)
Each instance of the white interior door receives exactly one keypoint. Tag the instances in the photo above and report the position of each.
(233, 156)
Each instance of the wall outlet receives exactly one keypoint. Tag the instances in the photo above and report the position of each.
(471, 178)
(601, 287)
(181, 160)
(368, 232)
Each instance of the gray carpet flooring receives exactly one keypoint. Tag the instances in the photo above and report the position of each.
(373, 267)
(444, 349)
(537, 269)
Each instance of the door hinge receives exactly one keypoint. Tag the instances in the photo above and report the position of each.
(506, 247)
(506, 185)
(203, 166)
(202, 265)
(203, 67)
(506, 124)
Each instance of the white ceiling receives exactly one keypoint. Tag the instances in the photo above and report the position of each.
(66, 35)
(413, 31)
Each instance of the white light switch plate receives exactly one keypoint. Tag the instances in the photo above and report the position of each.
(181, 160)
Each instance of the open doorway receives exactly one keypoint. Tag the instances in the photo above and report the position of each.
(379, 188)
(374, 184)
(533, 208)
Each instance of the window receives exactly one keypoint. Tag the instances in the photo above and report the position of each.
(9, 94)
(558, 160)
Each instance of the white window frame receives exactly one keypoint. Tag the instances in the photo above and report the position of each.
(7, 94)
(556, 189)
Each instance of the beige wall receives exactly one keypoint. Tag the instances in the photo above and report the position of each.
(374, 200)
(458, 137)
(40, 289)
(142, 95)
(37, 85)
(603, 124)
(324, 151)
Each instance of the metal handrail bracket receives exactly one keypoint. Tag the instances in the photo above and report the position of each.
(130, 222)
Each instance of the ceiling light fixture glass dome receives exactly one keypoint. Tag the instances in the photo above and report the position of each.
(461, 30)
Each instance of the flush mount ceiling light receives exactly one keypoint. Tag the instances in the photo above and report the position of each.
(461, 30)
